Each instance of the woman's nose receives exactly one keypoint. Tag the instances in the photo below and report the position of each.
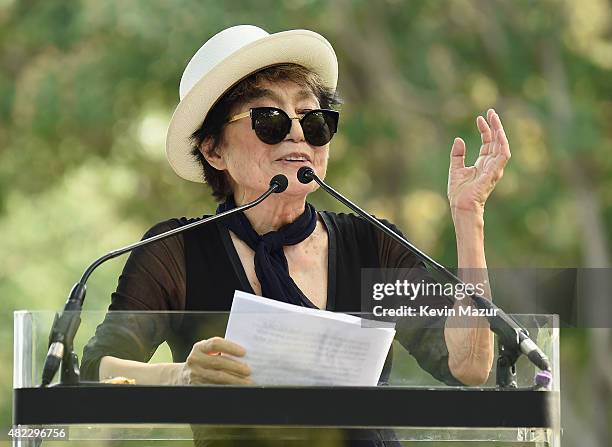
(296, 134)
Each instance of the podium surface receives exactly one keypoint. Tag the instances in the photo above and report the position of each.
(410, 406)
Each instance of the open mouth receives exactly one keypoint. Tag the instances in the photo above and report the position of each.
(295, 158)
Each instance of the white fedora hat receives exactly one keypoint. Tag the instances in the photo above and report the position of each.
(225, 59)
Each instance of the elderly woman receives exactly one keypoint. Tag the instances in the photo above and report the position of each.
(254, 105)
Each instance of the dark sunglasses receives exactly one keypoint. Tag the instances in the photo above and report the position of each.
(272, 125)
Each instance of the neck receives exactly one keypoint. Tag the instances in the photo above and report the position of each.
(273, 213)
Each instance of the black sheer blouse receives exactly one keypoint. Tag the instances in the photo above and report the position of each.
(198, 270)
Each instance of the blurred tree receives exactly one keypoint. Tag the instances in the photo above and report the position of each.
(87, 89)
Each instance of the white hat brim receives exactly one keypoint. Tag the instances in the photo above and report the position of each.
(302, 47)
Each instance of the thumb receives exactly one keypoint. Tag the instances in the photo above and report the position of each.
(457, 155)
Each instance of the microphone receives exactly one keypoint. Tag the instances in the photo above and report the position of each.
(66, 325)
(510, 333)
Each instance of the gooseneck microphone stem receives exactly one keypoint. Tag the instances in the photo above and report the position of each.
(382, 227)
(167, 234)
(511, 334)
(66, 325)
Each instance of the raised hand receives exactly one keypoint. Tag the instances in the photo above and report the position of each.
(470, 186)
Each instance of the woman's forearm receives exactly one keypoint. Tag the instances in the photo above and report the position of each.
(468, 338)
(142, 373)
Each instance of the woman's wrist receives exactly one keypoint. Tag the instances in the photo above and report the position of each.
(467, 218)
(469, 232)
(177, 374)
(469, 228)
(143, 373)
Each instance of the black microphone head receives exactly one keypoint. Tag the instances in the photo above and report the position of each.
(280, 181)
(305, 174)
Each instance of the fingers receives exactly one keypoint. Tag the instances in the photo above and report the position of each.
(485, 131)
(227, 364)
(457, 155)
(500, 141)
(217, 345)
(218, 363)
(205, 366)
(490, 114)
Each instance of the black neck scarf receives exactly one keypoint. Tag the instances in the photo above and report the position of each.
(270, 262)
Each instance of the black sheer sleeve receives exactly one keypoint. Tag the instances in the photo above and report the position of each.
(422, 337)
(153, 279)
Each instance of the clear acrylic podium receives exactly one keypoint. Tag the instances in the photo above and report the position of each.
(412, 406)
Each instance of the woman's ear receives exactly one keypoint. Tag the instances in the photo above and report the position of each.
(211, 155)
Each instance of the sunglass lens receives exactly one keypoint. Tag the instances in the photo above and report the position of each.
(271, 125)
(319, 127)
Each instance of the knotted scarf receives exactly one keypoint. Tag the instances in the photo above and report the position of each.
(271, 265)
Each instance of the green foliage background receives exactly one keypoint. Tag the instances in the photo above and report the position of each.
(87, 89)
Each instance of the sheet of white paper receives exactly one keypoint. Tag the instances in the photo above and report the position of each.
(293, 345)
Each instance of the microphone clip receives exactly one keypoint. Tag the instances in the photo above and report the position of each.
(61, 340)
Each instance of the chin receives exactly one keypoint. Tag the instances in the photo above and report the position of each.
(296, 188)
